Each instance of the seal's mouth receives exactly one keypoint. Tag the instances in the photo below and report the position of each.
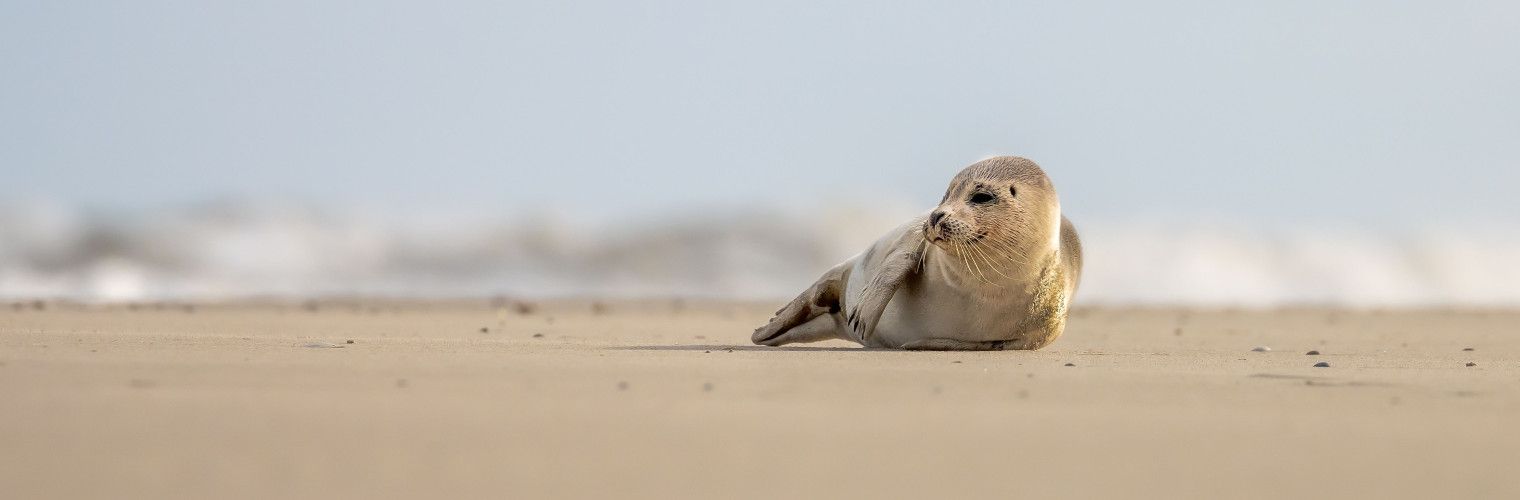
(933, 234)
(941, 237)
(938, 234)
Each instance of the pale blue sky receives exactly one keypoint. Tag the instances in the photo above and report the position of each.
(1376, 113)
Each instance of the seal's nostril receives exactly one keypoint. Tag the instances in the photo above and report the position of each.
(935, 217)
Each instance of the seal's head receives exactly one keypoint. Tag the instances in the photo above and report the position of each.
(999, 207)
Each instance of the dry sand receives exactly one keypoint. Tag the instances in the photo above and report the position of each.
(662, 399)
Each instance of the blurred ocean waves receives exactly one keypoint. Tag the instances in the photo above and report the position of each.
(234, 250)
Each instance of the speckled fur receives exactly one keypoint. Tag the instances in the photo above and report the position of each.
(994, 266)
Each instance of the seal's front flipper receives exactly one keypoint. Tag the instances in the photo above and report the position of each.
(820, 299)
(862, 317)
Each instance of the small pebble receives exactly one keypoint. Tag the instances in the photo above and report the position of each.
(1312, 353)
(1322, 364)
(1071, 364)
(1467, 348)
(538, 335)
(485, 330)
(955, 362)
(1261, 348)
(706, 352)
(349, 341)
(1469, 363)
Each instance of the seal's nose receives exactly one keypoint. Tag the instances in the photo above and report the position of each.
(935, 217)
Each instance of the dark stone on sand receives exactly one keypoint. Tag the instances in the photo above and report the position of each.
(1312, 353)
(485, 330)
(1467, 348)
(538, 335)
(1322, 364)
(1469, 363)
(349, 341)
(1071, 364)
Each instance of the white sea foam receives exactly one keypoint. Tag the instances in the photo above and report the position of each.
(252, 249)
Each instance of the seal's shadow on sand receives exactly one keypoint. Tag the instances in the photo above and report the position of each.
(748, 348)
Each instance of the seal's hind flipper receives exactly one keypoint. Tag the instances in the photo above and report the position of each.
(820, 299)
(820, 328)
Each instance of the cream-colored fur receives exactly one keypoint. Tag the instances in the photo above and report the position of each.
(994, 266)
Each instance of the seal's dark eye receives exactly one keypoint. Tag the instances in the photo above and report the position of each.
(982, 198)
(1013, 191)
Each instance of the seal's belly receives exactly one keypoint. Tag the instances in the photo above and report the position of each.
(919, 312)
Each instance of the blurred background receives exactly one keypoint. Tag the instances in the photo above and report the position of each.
(1315, 152)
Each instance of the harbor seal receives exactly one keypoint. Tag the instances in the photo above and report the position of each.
(993, 267)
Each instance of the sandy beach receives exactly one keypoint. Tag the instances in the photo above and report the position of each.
(663, 398)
